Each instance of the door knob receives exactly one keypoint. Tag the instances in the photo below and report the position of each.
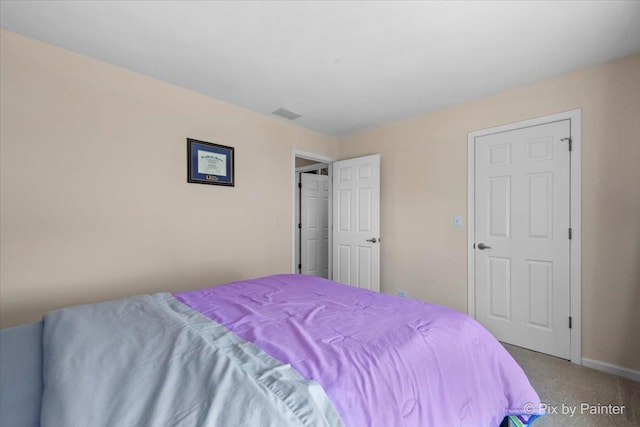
(372, 240)
(482, 246)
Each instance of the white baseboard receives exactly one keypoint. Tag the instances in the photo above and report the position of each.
(612, 369)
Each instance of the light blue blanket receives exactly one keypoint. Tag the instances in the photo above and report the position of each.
(151, 361)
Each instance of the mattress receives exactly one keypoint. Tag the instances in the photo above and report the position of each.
(21, 375)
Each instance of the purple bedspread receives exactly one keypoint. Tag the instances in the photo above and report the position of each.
(382, 360)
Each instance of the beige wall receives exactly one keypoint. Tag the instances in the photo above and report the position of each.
(95, 205)
(304, 162)
(424, 183)
(94, 199)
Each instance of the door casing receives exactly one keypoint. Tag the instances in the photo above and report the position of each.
(574, 116)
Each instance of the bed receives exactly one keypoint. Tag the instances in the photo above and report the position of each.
(282, 350)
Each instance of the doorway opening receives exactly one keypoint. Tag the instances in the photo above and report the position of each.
(311, 214)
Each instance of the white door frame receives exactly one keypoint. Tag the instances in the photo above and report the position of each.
(320, 159)
(574, 117)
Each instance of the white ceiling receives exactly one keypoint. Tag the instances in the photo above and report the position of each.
(344, 66)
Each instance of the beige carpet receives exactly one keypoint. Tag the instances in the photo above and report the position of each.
(559, 382)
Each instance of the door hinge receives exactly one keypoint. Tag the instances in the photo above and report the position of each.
(300, 226)
(570, 142)
(570, 233)
(570, 322)
(299, 266)
(299, 185)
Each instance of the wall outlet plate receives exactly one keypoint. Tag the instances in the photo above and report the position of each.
(402, 294)
(457, 221)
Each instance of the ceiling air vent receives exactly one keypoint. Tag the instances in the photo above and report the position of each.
(286, 114)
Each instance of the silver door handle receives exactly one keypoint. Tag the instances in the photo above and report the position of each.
(482, 246)
(372, 240)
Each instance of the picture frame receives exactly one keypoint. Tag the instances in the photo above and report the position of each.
(209, 163)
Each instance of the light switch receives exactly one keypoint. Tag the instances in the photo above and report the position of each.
(457, 221)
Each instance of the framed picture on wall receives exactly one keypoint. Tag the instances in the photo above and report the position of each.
(209, 163)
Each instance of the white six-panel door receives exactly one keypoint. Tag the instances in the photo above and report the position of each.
(356, 222)
(522, 220)
(314, 219)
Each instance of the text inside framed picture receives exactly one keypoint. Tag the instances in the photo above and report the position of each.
(209, 163)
